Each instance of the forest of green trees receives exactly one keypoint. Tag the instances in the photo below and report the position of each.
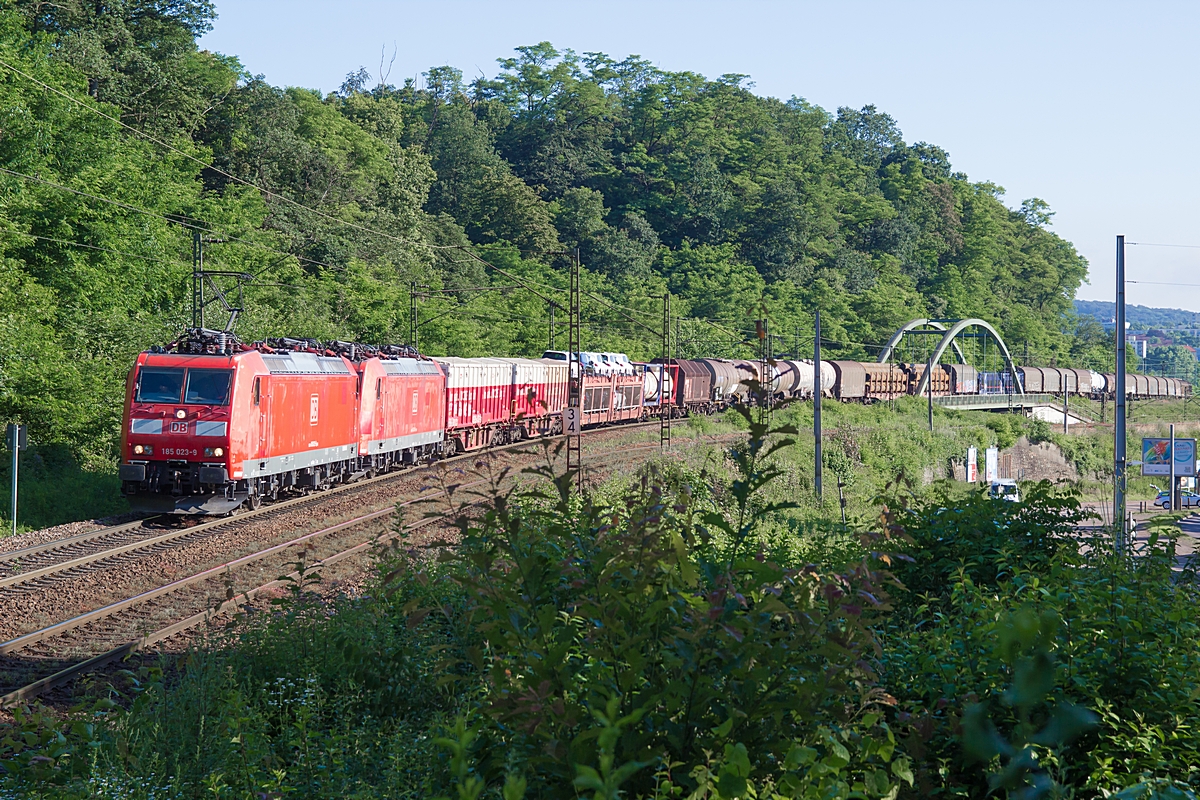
(120, 140)
(702, 626)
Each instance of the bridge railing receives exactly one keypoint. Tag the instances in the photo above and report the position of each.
(997, 400)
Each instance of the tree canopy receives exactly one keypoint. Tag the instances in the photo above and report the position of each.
(120, 139)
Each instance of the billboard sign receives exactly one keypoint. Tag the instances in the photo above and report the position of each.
(991, 469)
(972, 465)
(1157, 456)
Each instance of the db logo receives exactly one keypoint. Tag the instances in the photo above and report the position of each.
(179, 427)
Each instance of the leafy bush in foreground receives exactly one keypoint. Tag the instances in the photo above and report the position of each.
(660, 645)
(664, 623)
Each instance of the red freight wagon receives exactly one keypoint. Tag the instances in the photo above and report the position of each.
(539, 395)
(611, 398)
(206, 433)
(402, 413)
(478, 402)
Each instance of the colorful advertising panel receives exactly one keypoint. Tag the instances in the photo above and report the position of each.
(1157, 456)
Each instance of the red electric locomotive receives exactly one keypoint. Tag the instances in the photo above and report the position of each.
(402, 410)
(215, 424)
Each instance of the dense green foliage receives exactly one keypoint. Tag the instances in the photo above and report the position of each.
(1139, 317)
(338, 203)
(655, 641)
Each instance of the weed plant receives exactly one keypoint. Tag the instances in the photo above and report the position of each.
(691, 631)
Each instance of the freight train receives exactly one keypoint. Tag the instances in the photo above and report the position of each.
(212, 424)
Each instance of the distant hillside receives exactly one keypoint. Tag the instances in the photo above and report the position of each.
(1140, 317)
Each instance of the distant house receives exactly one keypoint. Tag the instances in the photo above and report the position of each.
(1140, 342)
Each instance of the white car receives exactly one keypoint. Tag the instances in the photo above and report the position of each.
(1187, 499)
(622, 363)
(593, 363)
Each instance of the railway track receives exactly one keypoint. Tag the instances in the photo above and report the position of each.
(41, 566)
(79, 540)
(68, 648)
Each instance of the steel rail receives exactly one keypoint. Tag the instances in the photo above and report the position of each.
(32, 690)
(113, 552)
(58, 628)
(63, 676)
(312, 498)
(54, 544)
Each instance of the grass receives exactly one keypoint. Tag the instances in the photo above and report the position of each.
(404, 693)
(54, 489)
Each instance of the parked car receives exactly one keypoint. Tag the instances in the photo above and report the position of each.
(1187, 499)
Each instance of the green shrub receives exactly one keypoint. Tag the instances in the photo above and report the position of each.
(1120, 633)
(686, 632)
(981, 539)
(660, 614)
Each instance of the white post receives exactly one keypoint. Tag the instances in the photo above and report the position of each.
(1172, 460)
(14, 440)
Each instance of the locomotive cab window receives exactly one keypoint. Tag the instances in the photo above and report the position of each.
(159, 385)
(208, 386)
(257, 391)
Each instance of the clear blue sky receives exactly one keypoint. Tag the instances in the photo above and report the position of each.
(1090, 106)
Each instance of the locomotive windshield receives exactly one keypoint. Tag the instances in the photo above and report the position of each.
(160, 385)
(208, 386)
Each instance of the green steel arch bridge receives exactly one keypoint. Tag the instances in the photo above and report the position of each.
(949, 333)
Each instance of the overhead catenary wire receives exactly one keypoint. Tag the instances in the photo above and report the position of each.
(127, 254)
(216, 169)
(205, 228)
(185, 222)
(512, 277)
(172, 218)
(92, 247)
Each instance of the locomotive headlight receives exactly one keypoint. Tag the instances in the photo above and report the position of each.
(214, 451)
(138, 449)
(180, 413)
